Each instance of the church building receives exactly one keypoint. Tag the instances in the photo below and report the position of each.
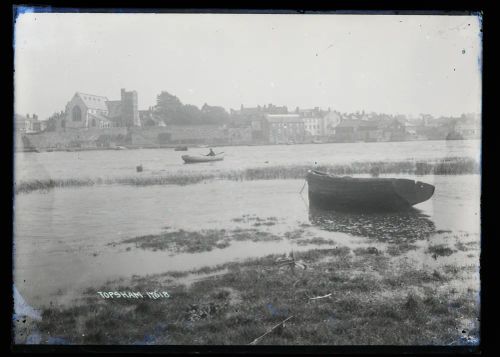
(94, 111)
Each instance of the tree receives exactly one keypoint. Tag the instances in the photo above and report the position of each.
(190, 114)
(167, 107)
(171, 110)
(54, 119)
(214, 115)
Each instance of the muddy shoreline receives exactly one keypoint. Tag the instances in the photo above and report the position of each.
(335, 296)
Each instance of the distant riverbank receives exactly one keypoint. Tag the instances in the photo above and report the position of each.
(194, 146)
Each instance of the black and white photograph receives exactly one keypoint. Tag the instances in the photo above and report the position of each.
(246, 179)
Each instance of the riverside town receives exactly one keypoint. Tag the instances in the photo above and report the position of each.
(93, 122)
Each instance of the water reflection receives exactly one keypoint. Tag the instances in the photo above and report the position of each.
(394, 227)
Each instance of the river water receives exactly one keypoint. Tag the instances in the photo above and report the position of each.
(62, 236)
(118, 163)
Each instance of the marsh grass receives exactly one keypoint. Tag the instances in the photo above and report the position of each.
(400, 307)
(466, 246)
(367, 251)
(316, 241)
(401, 248)
(448, 166)
(182, 241)
(440, 250)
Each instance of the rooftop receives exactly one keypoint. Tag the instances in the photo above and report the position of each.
(284, 118)
(93, 101)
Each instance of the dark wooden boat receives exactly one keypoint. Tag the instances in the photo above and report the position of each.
(365, 194)
(192, 159)
(181, 148)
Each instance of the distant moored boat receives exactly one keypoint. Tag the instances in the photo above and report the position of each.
(365, 194)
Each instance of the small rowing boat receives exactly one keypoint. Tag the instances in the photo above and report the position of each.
(365, 194)
(192, 159)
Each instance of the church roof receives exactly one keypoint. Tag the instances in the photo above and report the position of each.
(93, 101)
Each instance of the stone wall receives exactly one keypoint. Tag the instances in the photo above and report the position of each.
(192, 134)
(71, 138)
(135, 137)
(147, 136)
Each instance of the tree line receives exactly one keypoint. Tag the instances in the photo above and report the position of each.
(171, 110)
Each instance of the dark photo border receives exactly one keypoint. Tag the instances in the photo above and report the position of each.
(490, 331)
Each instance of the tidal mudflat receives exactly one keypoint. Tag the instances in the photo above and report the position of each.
(239, 257)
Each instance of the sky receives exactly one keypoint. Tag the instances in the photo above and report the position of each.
(408, 64)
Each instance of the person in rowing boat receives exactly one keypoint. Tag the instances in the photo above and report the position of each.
(211, 153)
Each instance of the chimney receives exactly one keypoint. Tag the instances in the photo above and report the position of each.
(27, 116)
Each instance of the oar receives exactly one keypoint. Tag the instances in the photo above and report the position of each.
(215, 154)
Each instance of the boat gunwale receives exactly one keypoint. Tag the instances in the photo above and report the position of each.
(325, 176)
(201, 158)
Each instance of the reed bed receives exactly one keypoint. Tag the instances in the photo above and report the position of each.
(449, 166)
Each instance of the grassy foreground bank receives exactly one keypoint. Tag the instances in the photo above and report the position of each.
(335, 296)
(449, 166)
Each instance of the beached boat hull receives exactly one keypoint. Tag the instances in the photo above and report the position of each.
(191, 159)
(365, 194)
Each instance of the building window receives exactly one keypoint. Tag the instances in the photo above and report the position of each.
(76, 113)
